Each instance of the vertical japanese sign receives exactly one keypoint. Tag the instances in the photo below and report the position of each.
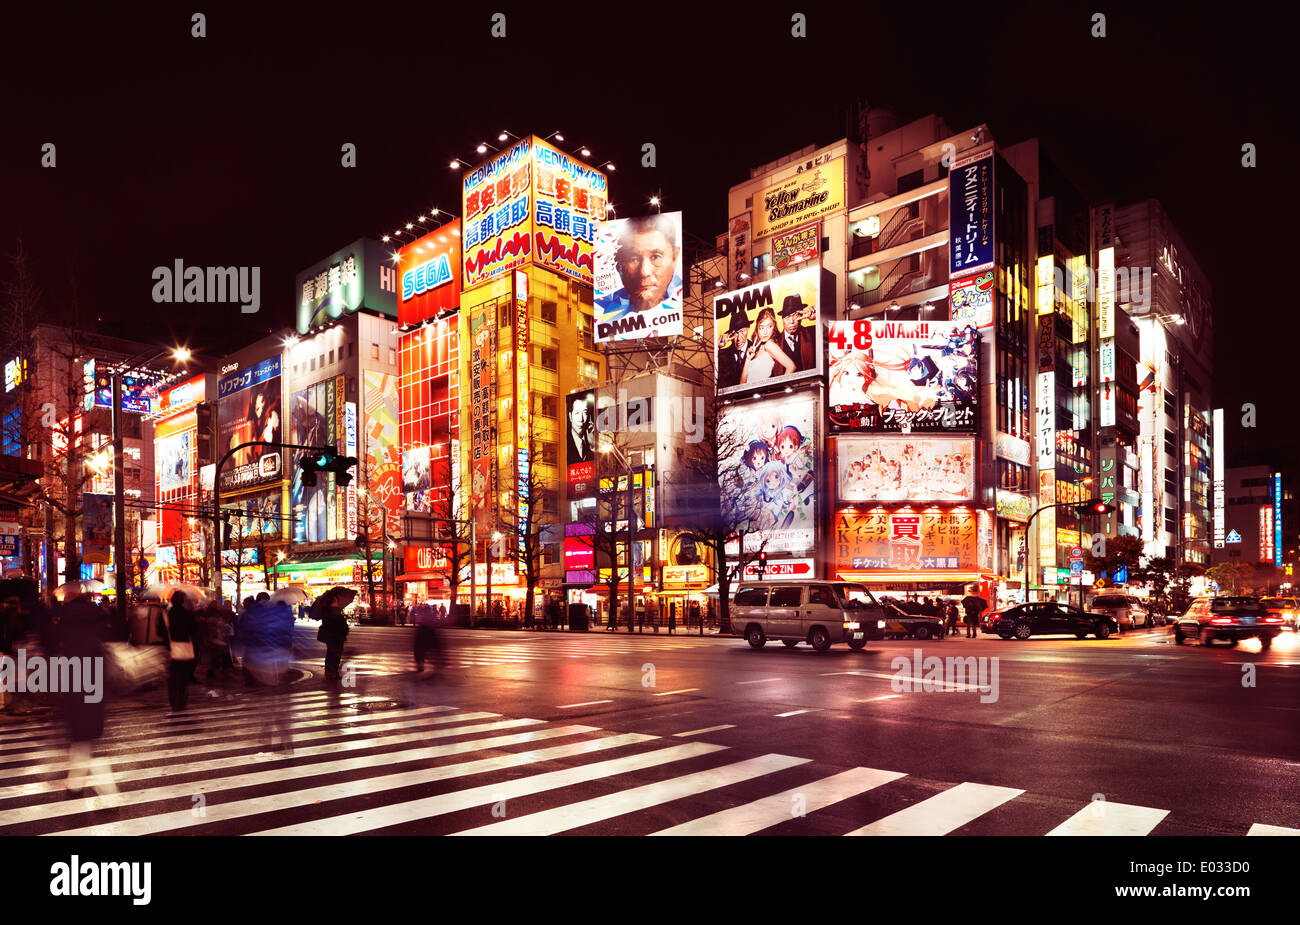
(1108, 469)
(1045, 411)
(483, 399)
(738, 236)
(339, 504)
(1219, 500)
(523, 400)
(1266, 534)
(1278, 542)
(970, 215)
(350, 449)
(1106, 331)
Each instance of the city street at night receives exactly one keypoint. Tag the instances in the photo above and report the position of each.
(560, 733)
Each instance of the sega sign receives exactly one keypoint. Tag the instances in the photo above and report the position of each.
(429, 275)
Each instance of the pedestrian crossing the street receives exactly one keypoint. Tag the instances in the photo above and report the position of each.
(365, 765)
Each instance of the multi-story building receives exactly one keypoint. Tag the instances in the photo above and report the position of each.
(1252, 532)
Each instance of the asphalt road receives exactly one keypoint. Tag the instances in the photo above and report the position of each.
(636, 734)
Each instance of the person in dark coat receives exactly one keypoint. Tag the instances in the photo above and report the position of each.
(333, 632)
(82, 628)
(177, 626)
(974, 605)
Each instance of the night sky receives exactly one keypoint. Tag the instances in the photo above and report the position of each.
(226, 150)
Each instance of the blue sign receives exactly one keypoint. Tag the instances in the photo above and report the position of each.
(8, 544)
(1233, 537)
(1121, 575)
(247, 378)
(1277, 518)
(1076, 567)
(429, 275)
(970, 216)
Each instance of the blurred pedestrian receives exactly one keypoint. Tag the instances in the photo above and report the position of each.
(426, 634)
(328, 608)
(267, 638)
(81, 629)
(176, 624)
(952, 618)
(974, 605)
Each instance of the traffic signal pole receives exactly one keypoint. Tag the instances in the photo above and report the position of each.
(216, 499)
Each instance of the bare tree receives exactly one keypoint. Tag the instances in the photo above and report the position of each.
(452, 534)
(523, 533)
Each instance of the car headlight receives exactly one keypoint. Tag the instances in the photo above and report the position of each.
(880, 624)
(852, 626)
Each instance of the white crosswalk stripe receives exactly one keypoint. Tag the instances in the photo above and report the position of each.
(362, 764)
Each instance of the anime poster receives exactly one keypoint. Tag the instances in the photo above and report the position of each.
(922, 468)
(415, 469)
(175, 461)
(903, 376)
(309, 427)
(768, 477)
(380, 446)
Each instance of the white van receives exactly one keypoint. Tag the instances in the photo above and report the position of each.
(820, 613)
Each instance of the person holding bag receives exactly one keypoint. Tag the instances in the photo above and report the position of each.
(177, 625)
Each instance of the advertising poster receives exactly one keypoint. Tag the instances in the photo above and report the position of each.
(807, 196)
(308, 426)
(96, 528)
(906, 539)
(970, 215)
(768, 475)
(380, 446)
(768, 334)
(580, 443)
(415, 469)
(175, 456)
(532, 203)
(260, 513)
(361, 274)
(797, 246)
(971, 300)
(248, 409)
(638, 277)
(906, 468)
(429, 391)
(903, 376)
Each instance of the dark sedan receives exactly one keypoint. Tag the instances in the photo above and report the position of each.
(1048, 618)
(900, 624)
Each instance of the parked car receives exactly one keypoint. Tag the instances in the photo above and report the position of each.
(901, 624)
(1044, 618)
(1231, 618)
(1129, 612)
(820, 613)
(1288, 608)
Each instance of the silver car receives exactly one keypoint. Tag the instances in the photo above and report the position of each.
(1129, 612)
(820, 613)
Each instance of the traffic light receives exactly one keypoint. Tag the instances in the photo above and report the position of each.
(327, 460)
(762, 563)
(1095, 506)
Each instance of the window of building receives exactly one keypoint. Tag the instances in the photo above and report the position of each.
(548, 312)
(392, 356)
(550, 454)
(548, 405)
(505, 315)
(313, 364)
(550, 358)
(911, 181)
(551, 554)
(331, 362)
(374, 351)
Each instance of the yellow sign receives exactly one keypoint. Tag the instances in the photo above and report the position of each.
(805, 197)
(685, 574)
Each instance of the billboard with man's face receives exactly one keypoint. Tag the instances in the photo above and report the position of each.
(903, 376)
(767, 334)
(638, 277)
(580, 442)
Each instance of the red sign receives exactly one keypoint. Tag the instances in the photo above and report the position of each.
(425, 559)
(579, 553)
(428, 275)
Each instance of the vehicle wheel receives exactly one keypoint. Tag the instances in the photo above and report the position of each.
(1004, 634)
(1023, 631)
(1232, 643)
(923, 632)
(819, 639)
(755, 636)
(790, 643)
(1179, 638)
(1102, 630)
(857, 644)
(1265, 642)
(1080, 635)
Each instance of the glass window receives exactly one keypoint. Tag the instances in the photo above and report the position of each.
(822, 595)
(751, 597)
(857, 593)
(786, 597)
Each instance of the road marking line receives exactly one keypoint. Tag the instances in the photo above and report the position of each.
(589, 703)
(881, 697)
(770, 811)
(760, 681)
(1102, 817)
(562, 818)
(380, 817)
(942, 813)
(684, 690)
(696, 732)
(1260, 829)
(827, 674)
(797, 712)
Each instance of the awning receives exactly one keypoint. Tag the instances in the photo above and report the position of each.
(935, 576)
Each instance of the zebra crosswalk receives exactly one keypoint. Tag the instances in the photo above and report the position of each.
(360, 765)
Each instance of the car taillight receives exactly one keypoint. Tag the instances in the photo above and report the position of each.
(1271, 619)
(1221, 620)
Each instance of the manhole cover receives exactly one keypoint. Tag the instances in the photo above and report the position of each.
(370, 706)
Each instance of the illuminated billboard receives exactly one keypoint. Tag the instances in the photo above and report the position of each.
(903, 376)
(580, 443)
(767, 334)
(531, 203)
(798, 199)
(429, 415)
(907, 538)
(970, 215)
(379, 449)
(315, 415)
(971, 299)
(428, 271)
(483, 412)
(360, 275)
(767, 478)
(248, 409)
(796, 246)
(906, 468)
(638, 277)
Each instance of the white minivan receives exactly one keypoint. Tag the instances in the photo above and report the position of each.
(820, 613)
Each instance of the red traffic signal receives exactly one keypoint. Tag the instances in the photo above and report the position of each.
(1095, 506)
